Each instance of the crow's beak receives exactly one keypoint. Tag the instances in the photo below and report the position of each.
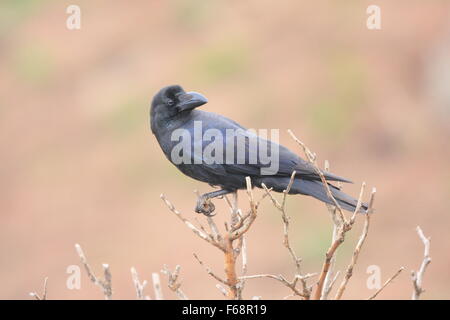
(190, 100)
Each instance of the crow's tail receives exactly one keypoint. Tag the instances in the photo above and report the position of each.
(315, 189)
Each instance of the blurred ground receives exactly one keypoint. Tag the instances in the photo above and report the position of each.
(79, 164)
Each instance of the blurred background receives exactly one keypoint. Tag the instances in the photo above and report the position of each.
(80, 165)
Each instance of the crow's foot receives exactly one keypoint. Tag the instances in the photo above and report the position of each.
(205, 206)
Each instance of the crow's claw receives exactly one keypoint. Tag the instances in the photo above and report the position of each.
(205, 206)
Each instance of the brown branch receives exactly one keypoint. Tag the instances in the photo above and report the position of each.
(230, 268)
(104, 284)
(243, 251)
(337, 223)
(386, 283)
(417, 277)
(344, 228)
(326, 265)
(234, 231)
(239, 226)
(362, 238)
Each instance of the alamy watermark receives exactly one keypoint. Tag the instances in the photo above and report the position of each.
(73, 281)
(73, 21)
(374, 19)
(374, 280)
(234, 146)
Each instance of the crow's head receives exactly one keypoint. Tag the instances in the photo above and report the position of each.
(173, 100)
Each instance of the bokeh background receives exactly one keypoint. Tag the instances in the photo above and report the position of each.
(80, 165)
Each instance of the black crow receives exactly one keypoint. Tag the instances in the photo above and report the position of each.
(179, 129)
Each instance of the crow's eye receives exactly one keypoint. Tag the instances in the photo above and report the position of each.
(170, 102)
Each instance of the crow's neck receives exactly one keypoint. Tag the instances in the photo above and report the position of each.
(161, 126)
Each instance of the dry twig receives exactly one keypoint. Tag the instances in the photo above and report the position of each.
(138, 285)
(157, 286)
(337, 223)
(194, 229)
(417, 277)
(209, 271)
(104, 284)
(44, 292)
(290, 284)
(306, 290)
(343, 229)
(386, 283)
(173, 282)
(362, 238)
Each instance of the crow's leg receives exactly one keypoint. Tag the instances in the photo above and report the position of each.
(204, 204)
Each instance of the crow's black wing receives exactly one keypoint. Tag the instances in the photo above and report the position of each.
(287, 163)
(243, 151)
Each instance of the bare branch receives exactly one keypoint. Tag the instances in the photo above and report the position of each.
(194, 229)
(306, 276)
(362, 238)
(105, 284)
(337, 223)
(234, 210)
(138, 285)
(359, 203)
(417, 277)
(173, 283)
(244, 256)
(306, 291)
(44, 292)
(274, 201)
(230, 267)
(243, 250)
(329, 283)
(386, 283)
(290, 284)
(238, 230)
(344, 228)
(214, 230)
(328, 259)
(208, 271)
(157, 286)
(222, 290)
